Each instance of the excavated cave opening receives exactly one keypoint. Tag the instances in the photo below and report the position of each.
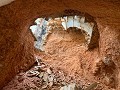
(62, 40)
(70, 21)
(66, 52)
(65, 43)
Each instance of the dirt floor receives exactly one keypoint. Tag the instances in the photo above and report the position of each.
(45, 78)
(65, 55)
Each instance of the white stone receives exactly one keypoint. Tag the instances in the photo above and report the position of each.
(82, 20)
(64, 23)
(49, 71)
(69, 87)
(72, 87)
(33, 28)
(87, 27)
(38, 20)
(70, 21)
(76, 21)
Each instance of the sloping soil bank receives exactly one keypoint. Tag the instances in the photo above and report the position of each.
(43, 77)
(100, 65)
(67, 51)
(66, 60)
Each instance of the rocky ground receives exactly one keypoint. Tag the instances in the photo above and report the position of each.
(66, 64)
(43, 77)
(17, 51)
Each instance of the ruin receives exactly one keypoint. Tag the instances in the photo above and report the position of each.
(58, 44)
(44, 28)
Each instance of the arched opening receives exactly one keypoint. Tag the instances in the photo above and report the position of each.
(73, 21)
(71, 51)
(63, 40)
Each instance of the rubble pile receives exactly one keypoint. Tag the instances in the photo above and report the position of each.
(50, 79)
(43, 77)
(44, 27)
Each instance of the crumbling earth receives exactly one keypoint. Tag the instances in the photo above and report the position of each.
(67, 64)
(43, 77)
(101, 65)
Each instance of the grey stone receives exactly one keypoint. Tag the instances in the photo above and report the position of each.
(71, 86)
(92, 86)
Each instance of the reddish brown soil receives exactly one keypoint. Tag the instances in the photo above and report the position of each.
(26, 81)
(67, 52)
(16, 42)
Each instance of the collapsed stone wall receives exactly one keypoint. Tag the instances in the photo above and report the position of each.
(19, 15)
(44, 28)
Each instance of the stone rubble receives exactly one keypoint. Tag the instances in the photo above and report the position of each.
(70, 87)
(43, 28)
(73, 86)
(49, 78)
(92, 86)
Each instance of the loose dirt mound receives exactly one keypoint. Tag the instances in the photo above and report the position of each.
(16, 51)
(43, 77)
(67, 51)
